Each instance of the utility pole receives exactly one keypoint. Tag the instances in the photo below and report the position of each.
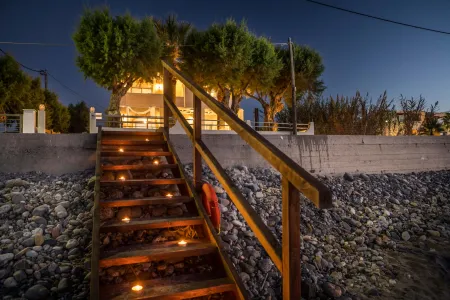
(44, 73)
(294, 102)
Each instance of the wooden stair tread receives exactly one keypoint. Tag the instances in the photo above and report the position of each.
(122, 142)
(159, 181)
(107, 153)
(141, 253)
(180, 287)
(145, 201)
(109, 133)
(154, 223)
(139, 167)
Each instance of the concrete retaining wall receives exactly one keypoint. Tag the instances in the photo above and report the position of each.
(49, 153)
(335, 154)
(63, 153)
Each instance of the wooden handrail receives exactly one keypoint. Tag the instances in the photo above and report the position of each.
(310, 186)
(294, 179)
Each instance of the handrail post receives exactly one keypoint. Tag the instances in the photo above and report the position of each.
(168, 94)
(291, 241)
(197, 137)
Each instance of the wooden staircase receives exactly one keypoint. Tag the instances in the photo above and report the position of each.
(144, 207)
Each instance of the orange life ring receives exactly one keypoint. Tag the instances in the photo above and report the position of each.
(211, 204)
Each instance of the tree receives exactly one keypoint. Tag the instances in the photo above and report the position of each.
(412, 110)
(431, 122)
(116, 51)
(18, 90)
(79, 117)
(446, 121)
(218, 59)
(57, 115)
(172, 34)
(308, 69)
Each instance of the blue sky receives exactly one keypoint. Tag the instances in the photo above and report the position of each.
(359, 53)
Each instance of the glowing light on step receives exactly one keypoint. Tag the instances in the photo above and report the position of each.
(169, 195)
(147, 140)
(182, 243)
(122, 178)
(156, 162)
(137, 288)
(120, 149)
(126, 220)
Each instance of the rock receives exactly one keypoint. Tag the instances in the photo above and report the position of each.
(31, 254)
(218, 190)
(434, 233)
(159, 211)
(37, 292)
(265, 265)
(57, 197)
(136, 212)
(259, 195)
(5, 208)
(236, 223)
(245, 277)
(39, 220)
(332, 290)
(72, 243)
(406, 236)
(20, 275)
(10, 283)
(348, 177)
(17, 198)
(364, 177)
(40, 210)
(77, 187)
(124, 212)
(22, 264)
(6, 258)
(16, 182)
(39, 239)
(224, 202)
(63, 285)
(30, 242)
(225, 226)
(60, 211)
(247, 268)
(175, 211)
(106, 213)
(56, 231)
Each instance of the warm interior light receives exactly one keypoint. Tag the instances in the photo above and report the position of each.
(137, 288)
(169, 195)
(126, 220)
(122, 178)
(182, 243)
(158, 86)
(120, 149)
(156, 162)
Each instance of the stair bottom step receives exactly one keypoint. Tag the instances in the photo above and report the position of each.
(181, 287)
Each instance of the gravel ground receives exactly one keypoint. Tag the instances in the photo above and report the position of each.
(45, 236)
(386, 237)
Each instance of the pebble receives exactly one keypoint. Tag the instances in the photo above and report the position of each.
(37, 292)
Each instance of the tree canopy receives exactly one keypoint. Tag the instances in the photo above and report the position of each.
(116, 51)
(79, 117)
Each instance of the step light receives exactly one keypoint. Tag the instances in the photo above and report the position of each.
(122, 178)
(156, 162)
(121, 150)
(169, 195)
(182, 243)
(147, 140)
(137, 288)
(126, 220)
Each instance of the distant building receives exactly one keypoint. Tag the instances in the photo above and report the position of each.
(146, 99)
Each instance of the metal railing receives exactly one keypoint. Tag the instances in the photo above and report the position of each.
(275, 126)
(294, 179)
(135, 122)
(11, 123)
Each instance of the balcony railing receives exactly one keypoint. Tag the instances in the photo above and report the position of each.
(11, 123)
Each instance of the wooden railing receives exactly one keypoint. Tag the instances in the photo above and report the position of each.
(294, 179)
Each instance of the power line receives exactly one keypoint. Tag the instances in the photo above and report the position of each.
(378, 18)
(37, 44)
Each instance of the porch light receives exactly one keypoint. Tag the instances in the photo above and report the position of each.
(137, 288)
(182, 243)
(41, 107)
(92, 109)
(126, 220)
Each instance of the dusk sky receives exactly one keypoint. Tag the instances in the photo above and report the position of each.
(359, 53)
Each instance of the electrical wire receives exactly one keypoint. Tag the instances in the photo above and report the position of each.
(378, 18)
(37, 44)
(31, 69)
